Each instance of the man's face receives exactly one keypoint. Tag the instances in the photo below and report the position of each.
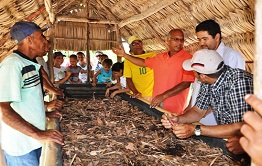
(206, 41)
(175, 41)
(38, 43)
(136, 47)
(48, 45)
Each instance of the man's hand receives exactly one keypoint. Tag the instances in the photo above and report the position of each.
(136, 95)
(234, 146)
(50, 135)
(119, 51)
(54, 114)
(183, 130)
(54, 104)
(168, 120)
(157, 100)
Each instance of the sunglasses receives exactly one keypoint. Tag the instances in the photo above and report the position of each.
(177, 39)
(136, 43)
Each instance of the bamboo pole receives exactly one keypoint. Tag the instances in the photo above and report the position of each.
(51, 151)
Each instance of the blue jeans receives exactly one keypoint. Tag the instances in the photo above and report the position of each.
(30, 159)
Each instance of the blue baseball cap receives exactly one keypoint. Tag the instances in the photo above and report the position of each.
(21, 29)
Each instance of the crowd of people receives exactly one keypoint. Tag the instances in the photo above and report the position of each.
(221, 101)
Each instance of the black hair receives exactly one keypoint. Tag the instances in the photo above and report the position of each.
(73, 56)
(117, 66)
(56, 54)
(80, 53)
(210, 26)
(104, 55)
(107, 62)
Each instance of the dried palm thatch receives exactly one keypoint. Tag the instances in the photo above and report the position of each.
(101, 24)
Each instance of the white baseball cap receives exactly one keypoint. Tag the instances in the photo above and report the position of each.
(204, 61)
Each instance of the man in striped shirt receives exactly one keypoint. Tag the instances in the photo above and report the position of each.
(21, 98)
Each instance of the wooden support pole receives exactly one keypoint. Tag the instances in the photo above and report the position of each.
(258, 54)
(119, 41)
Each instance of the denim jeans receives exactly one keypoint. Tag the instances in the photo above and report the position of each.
(30, 159)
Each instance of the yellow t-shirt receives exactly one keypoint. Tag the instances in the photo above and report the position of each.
(142, 77)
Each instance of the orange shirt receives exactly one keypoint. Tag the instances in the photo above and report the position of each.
(168, 72)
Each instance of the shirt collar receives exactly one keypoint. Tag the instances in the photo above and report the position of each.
(221, 48)
(24, 56)
(220, 79)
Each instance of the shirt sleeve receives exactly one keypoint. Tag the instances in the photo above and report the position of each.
(10, 83)
(203, 100)
(150, 62)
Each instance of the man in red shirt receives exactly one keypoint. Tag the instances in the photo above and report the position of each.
(171, 81)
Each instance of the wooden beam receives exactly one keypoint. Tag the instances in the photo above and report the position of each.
(49, 9)
(81, 19)
(152, 10)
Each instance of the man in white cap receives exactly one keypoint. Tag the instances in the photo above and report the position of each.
(139, 79)
(223, 88)
(209, 36)
(21, 100)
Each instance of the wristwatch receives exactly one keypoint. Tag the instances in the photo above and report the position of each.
(197, 130)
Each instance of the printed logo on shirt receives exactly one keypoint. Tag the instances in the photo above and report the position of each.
(142, 70)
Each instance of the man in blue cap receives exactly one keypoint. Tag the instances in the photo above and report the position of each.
(21, 100)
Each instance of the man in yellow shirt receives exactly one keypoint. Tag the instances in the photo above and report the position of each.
(139, 79)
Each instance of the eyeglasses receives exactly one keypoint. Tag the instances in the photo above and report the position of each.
(176, 39)
(136, 43)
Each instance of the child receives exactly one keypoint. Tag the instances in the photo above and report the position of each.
(121, 86)
(103, 75)
(81, 62)
(60, 73)
(75, 70)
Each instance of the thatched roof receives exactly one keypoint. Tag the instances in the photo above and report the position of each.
(101, 24)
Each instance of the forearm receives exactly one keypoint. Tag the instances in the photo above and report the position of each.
(48, 86)
(177, 89)
(225, 131)
(131, 85)
(14, 120)
(135, 60)
(192, 115)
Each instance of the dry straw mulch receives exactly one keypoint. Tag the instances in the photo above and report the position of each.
(104, 132)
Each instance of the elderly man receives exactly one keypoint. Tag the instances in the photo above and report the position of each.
(140, 80)
(171, 81)
(21, 99)
(223, 88)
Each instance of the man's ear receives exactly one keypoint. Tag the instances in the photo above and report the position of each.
(217, 37)
(203, 77)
